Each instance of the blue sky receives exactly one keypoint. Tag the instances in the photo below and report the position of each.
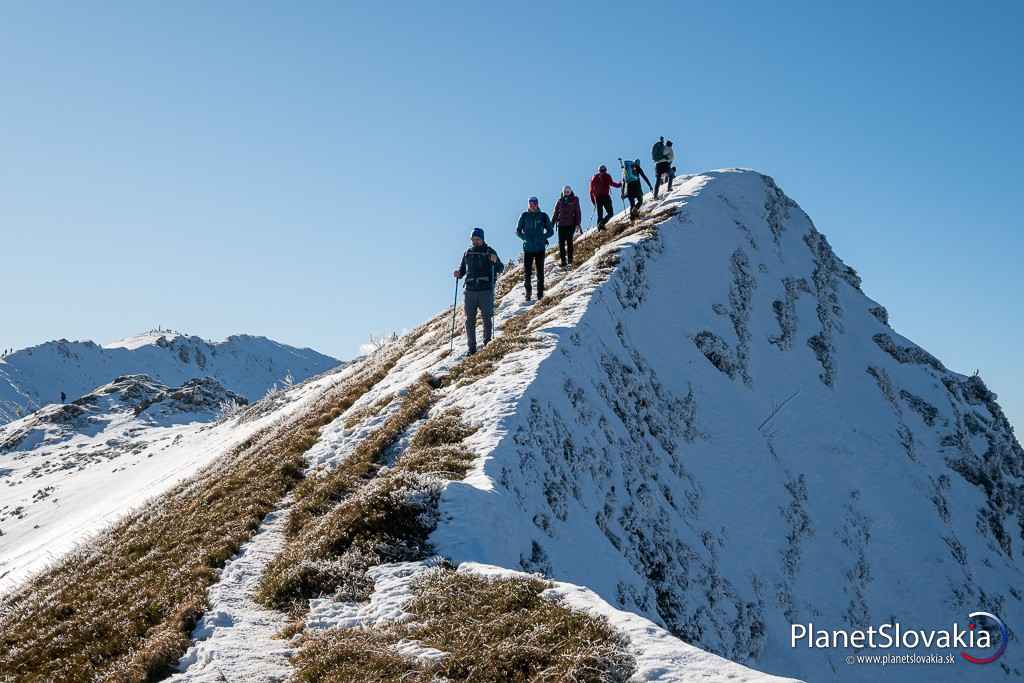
(310, 171)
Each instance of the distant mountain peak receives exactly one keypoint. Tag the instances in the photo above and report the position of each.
(63, 370)
(144, 338)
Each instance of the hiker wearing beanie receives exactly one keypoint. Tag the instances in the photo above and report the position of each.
(480, 266)
(568, 217)
(600, 195)
(534, 230)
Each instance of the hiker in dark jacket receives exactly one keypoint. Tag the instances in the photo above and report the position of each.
(663, 166)
(534, 230)
(568, 217)
(658, 151)
(631, 175)
(480, 266)
(600, 195)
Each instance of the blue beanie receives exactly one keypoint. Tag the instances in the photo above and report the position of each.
(478, 232)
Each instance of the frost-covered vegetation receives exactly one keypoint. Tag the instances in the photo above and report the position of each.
(483, 629)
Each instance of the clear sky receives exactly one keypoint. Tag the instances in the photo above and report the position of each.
(310, 171)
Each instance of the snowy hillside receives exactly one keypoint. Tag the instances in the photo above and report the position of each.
(729, 437)
(36, 376)
(69, 470)
(704, 434)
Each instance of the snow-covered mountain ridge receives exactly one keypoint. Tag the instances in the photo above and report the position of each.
(728, 437)
(33, 377)
(736, 440)
(706, 430)
(136, 396)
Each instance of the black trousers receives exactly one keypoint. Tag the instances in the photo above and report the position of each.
(604, 204)
(565, 235)
(635, 194)
(531, 260)
(664, 168)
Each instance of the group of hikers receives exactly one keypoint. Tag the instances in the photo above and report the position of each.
(481, 265)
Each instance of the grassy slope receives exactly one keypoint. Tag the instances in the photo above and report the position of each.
(122, 607)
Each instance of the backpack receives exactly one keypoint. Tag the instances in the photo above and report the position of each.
(479, 269)
(658, 151)
(629, 173)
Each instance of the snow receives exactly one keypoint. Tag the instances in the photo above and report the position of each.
(57, 491)
(235, 639)
(145, 339)
(392, 589)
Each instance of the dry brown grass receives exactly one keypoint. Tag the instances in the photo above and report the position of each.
(355, 654)
(122, 607)
(354, 417)
(445, 462)
(437, 448)
(385, 520)
(444, 429)
(318, 494)
(354, 522)
(490, 629)
(293, 628)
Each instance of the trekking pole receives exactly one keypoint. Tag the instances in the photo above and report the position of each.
(622, 194)
(494, 289)
(455, 305)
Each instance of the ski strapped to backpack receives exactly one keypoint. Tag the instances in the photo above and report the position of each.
(629, 172)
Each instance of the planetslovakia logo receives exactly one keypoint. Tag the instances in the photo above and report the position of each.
(894, 635)
(1003, 637)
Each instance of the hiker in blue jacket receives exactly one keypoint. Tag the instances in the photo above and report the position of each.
(481, 267)
(534, 230)
(631, 175)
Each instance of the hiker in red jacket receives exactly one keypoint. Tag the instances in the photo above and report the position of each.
(600, 195)
(568, 217)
